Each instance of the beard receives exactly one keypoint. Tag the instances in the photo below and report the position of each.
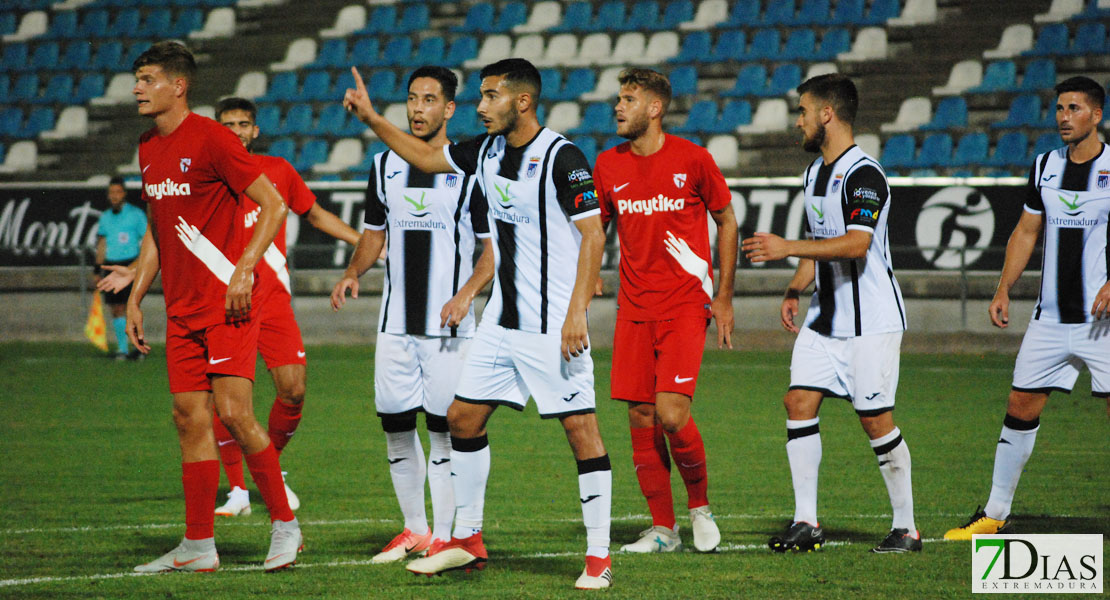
(427, 137)
(634, 128)
(813, 144)
(510, 123)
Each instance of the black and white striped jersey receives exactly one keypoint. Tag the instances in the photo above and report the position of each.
(857, 296)
(534, 193)
(430, 222)
(1074, 199)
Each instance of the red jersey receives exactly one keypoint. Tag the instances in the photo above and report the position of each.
(273, 273)
(192, 179)
(661, 204)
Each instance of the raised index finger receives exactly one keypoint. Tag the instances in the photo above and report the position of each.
(359, 85)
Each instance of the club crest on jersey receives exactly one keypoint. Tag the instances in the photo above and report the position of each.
(1103, 179)
(679, 180)
(185, 164)
(452, 180)
(533, 166)
(836, 182)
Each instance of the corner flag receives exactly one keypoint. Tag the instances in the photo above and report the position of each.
(95, 328)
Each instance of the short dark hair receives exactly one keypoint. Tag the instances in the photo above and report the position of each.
(174, 58)
(517, 71)
(837, 90)
(647, 79)
(446, 78)
(1084, 85)
(236, 103)
(115, 180)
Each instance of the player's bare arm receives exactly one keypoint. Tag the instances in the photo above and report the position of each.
(270, 218)
(765, 247)
(726, 258)
(326, 221)
(145, 270)
(413, 150)
(456, 309)
(365, 255)
(101, 251)
(803, 277)
(1018, 251)
(575, 329)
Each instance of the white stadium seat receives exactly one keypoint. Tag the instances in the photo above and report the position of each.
(965, 74)
(1015, 40)
(220, 23)
(725, 152)
(494, 48)
(22, 158)
(660, 47)
(118, 91)
(32, 24)
(560, 49)
(710, 12)
(607, 86)
(596, 49)
(629, 48)
(252, 84)
(350, 18)
(398, 114)
(914, 112)
(564, 116)
(770, 115)
(72, 122)
(130, 168)
(544, 15)
(870, 44)
(345, 154)
(529, 47)
(301, 52)
(869, 143)
(205, 110)
(817, 69)
(916, 12)
(1060, 10)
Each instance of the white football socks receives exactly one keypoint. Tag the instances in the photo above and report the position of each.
(803, 450)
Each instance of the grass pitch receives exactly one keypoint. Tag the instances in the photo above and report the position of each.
(90, 480)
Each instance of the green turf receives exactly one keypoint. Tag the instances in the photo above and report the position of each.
(90, 480)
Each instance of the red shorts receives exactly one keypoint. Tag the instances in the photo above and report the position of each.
(279, 338)
(223, 349)
(656, 356)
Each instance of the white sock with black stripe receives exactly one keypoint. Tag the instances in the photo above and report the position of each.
(470, 460)
(595, 488)
(439, 482)
(894, 464)
(803, 450)
(1015, 445)
(407, 470)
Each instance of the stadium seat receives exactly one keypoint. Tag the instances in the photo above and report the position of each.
(770, 115)
(576, 15)
(561, 48)
(675, 14)
(466, 121)
(712, 13)
(869, 143)
(187, 21)
(332, 121)
(778, 12)
(750, 81)
(91, 86)
(661, 47)
(597, 118)
(22, 158)
(610, 17)
(44, 57)
(578, 82)
(8, 24)
(58, 90)
(1044, 143)
(833, 42)
(283, 87)
(588, 146)
(914, 13)
(551, 81)
(848, 12)
(41, 119)
(695, 48)
(72, 122)
(469, 90)
(5, 88)
(544, 15)
(684, 81)
(365, 52)
(702, 117)
(783, 79)
(1009, 151)
(125, 25)
(764, 45)
(898, 152)
(564, 116)
(731, 45)
(108, 56)
(315, 87)
(25, 88)
(1060, 10)
(607, 86)
(1015, 39)
(870, 44)
(950, 112)
(414, 19)
(155, 24)
(818, 69)
(382, 85)
(1000, 76)
(332, 55)
(1025, 111)
(734, 114)
(595, 49)
(462, 49)
(118, 91)
(313, 152)
(367, 163)
(813, 12)
(77, 56)
(220, 23)
(299, 53)
(1052, 40)
(397, 52)
(529, 47)
(32, 25)
(11, 119)
(346, 153)
(611, 142)
(644, 16)
(15, 57)
(430, 51)
(297, 121)
(350, 19)
(1040, 74)
(801, 44)
(971, 150)
(881, 11)
(629, 48)
(1090, 39)
(479, 19)
(382, 20)
(725, 151)
(268, 118)
(284, 148)
(964, 76)
(494, 48)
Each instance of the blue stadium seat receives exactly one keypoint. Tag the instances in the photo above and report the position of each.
(512, 14)
(430, 51)
(1010, 151)
(734, 114)
(316, 87)
(465, 122)
(367, 163)
(283, 87)
(1052, 40)
(470, 88)
(578, 82)
(15, 57)
(479, 19)
(1025, 111)
(684, 81)
(462, 49)
(188, 21)
(1040, 74)
(5, 88)
(588, 146)
(40, 120)
(8, 24)
(596, 118)
(702, 117)
(744, 13)
(833, 42)
(398, 51)
(881, 10)
(133, 52)
(44, 57)
(1000, 76)
(268, 118)
(382, 20)
(644, 16)
(11, 119)
(1092, 11)
(1045, 143)
(125, 25)
(764, 45)
(285, 148)
(610, 17)
(731, 45)
(750, 81)
(696, 47)
(813, 12)
(1090, 39)
(332, 55)
(91, 86)
(108, 56)
(801, 44)
(77, 56)
(382, 85)
(847, 12)
(551, 81)
(25, 88)
(611, 142)
(343, 82)
(575, 16)
(677, 11)
(155, 24)
(778, 12)
(413, 19)
(332, 120)
(971, 150)
(783, 79)
(950, 112)
(365, 52)
(297, 121)
(63, 25)
(58, 89)
(898, 152)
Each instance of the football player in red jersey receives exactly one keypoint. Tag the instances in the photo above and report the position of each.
(194, 174)
(660, 190)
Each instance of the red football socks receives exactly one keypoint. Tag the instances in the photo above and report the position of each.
(200, 480)
(284, 419)
(230, 454)
(266, 472)
(654, 476)
(689, 456)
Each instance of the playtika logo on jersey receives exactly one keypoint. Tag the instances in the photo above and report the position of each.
(659, 203)
(168, 187)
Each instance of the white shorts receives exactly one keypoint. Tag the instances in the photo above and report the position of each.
(1052, 353)
(861, 369)
(417, 372)
(505, 366)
